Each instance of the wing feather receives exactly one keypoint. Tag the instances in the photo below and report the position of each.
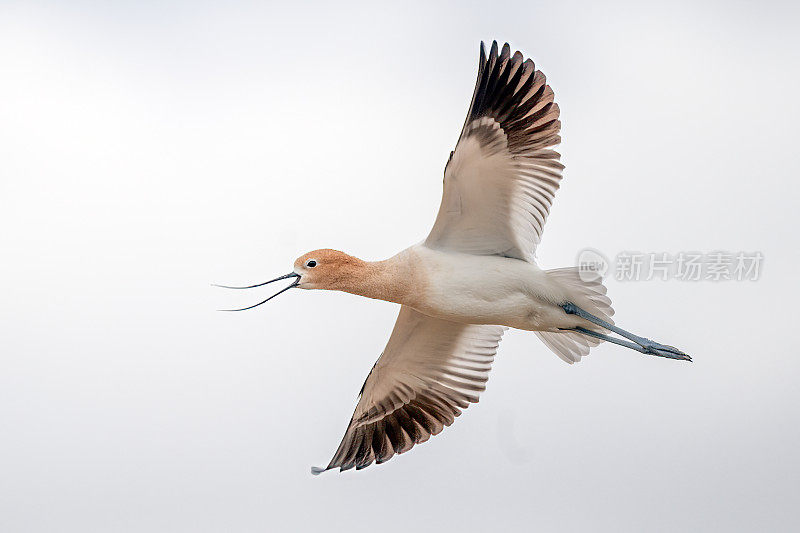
(502, 177)
(429, 372)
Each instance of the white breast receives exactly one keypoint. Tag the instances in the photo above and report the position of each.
(484, 289)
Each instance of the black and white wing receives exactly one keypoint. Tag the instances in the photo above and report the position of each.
(500, 180)
(429, 371)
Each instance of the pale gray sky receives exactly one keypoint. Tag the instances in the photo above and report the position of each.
(147, 151)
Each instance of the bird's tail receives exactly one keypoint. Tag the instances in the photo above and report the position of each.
(588, 293)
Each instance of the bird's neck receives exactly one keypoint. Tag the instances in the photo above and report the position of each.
(390, 280)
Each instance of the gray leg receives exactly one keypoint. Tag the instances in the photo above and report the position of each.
(632, 346)
(648, 346)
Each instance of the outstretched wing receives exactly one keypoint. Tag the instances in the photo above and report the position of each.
(502, 177)
(429, 371)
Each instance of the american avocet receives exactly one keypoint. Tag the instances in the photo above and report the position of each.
(473, 276)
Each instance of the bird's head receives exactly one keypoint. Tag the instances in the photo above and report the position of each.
(321, 269)
(326, 269)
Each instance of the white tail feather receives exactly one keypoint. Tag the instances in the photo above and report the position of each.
(587, 292)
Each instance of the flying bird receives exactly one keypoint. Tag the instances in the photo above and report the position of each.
(473, 277)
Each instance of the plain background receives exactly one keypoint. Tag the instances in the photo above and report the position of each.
(148, 150)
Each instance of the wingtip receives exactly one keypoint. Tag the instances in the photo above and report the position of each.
(493, 50)
(315, 470)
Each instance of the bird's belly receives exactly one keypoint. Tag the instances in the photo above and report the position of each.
(518, 311)
(465, 306)
(489, 290)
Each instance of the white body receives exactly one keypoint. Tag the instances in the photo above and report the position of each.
(477, 289)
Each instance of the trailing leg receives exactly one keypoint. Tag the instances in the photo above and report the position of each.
(640, 344)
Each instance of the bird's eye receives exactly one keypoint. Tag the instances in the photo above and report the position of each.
(311, 264)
